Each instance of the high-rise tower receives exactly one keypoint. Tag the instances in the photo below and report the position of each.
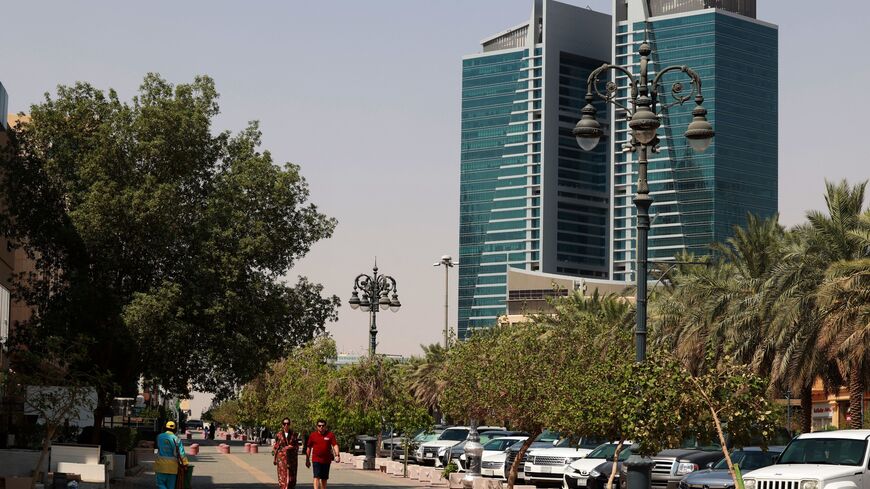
(698, 197)
(529, 198)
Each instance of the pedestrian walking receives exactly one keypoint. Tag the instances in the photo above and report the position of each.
(286, 455)
(171, 460)
(321, 449)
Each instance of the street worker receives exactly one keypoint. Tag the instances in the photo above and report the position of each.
(171, 459)
(321, 449)
(285, 454)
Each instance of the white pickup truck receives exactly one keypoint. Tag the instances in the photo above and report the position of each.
(821, 460)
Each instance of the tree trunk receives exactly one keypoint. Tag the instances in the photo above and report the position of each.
(512, 475)
(615, 463)
(46, 444)
(856, 397)
(806, 409)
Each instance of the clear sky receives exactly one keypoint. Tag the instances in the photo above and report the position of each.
(365, 95)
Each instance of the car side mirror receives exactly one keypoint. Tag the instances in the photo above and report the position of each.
(709, 465)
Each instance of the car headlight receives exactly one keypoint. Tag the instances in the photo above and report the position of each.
(594, 473)
(748, 483)
(810, 484)
(684, 468)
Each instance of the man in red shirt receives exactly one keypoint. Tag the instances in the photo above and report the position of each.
(322, 447)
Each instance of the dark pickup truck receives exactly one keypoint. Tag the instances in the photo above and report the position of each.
(671, 465)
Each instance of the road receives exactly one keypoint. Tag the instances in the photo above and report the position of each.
(240, 470)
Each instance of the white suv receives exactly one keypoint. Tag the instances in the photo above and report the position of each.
(435, 452)
(822, 460)
(547, 465)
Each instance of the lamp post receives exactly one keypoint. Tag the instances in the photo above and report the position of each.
(643, 122)
(448, 263)
(473, 456)
(375, 294)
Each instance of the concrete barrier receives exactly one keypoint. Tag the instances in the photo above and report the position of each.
(455, 481)
(414, 472)
(526, 486)
(436, 478)
(359, 464)
(19, 463)
(254, 448)
(193, 449)
(486, 483)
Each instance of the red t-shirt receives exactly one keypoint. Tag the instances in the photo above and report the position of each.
(321, 446)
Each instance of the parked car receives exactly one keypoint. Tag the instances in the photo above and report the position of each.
(193, 425)
(435, 452)
(821, 460)
(716, 476)
(359, 446)
(544, 440)
(398, 452)
(491, 447)
(546, 466)
(458, 450)
(578, 472)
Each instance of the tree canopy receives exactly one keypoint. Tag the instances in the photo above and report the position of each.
(159, 242)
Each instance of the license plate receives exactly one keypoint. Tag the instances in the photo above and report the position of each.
(402, 457)
(581, 482)
(357, 447)
(427, 455)
(546, 470)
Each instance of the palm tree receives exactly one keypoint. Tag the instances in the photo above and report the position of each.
(804, 339)
(845, 301)
(425, 376)
(718, 310)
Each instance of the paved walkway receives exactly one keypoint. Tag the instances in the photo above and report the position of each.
(240, 470)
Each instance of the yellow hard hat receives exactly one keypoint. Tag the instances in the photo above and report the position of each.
(170, 425)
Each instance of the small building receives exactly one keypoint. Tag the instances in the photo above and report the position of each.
(532, 292)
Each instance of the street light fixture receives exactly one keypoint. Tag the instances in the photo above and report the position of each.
(376, 291)
(448, 263)
(643, 122)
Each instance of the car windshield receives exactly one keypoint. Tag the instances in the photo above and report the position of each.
(748, 460)
(829, 451)
(424, 437)
(498, 444)
(692, 442)
(581, 443)
(454, 435)
(607, 450)
(548, 436)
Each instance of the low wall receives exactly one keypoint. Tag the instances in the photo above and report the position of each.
(20, 462)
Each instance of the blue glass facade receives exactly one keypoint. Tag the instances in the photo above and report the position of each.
(495, 200)
(700, 197)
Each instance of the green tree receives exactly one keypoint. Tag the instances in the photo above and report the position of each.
(152, 232)
(296, 386)
(424, 373)
(506, 374)
(803, 290)
(376, 392)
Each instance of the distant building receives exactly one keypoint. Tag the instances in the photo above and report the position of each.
(531, 293)
(345, 359)
(529, 198)
(698, 197)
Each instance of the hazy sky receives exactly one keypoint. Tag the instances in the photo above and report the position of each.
(365, 95)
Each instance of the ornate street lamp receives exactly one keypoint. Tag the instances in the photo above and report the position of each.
(376, 291)
(643, 122)
(448, 263)
(473, 456)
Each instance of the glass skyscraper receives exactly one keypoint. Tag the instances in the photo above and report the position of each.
(698, 197)
(529, 198)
